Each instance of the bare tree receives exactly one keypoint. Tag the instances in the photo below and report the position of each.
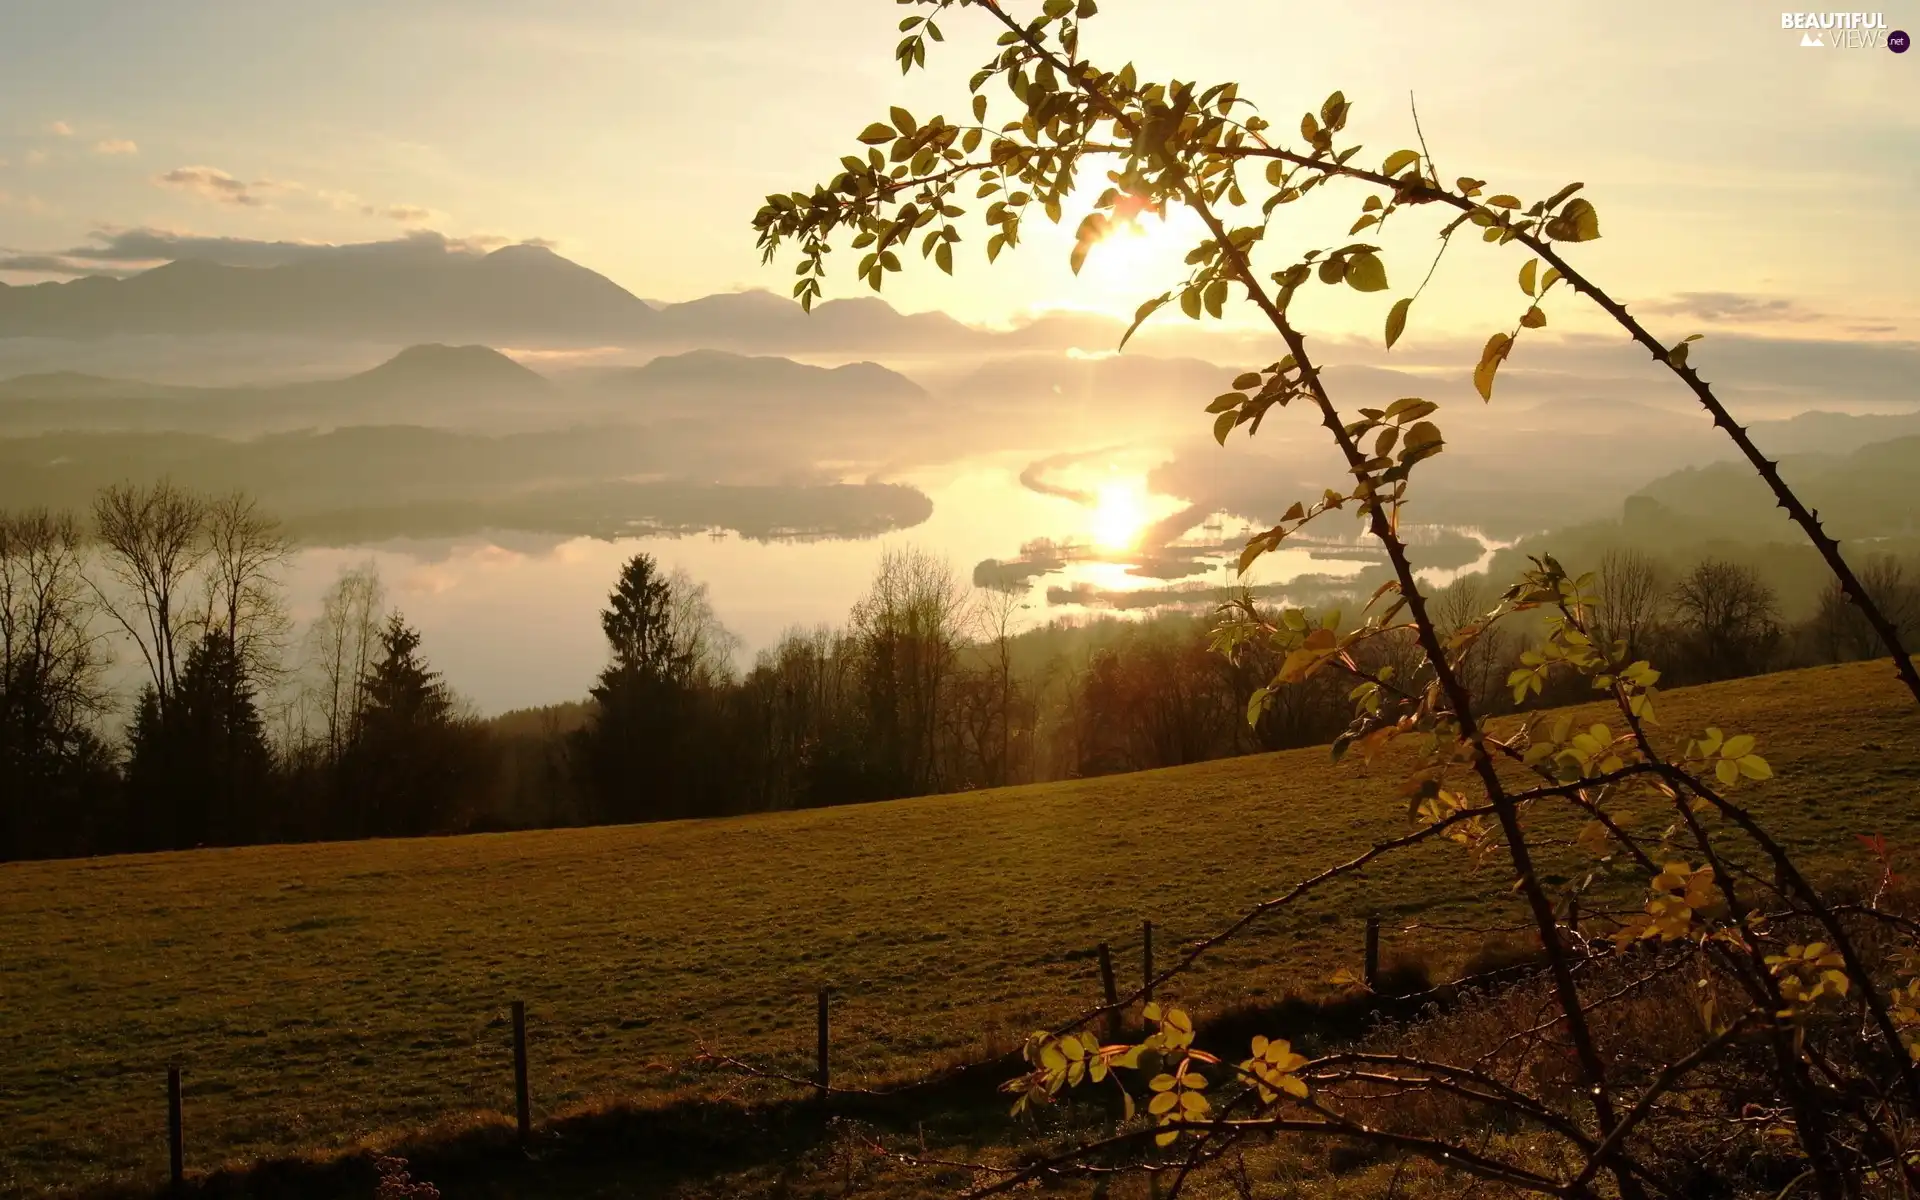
(50, 662)
(909, 627)
(1844, 634)
(1730, 617)
(342, 644)
(994, 614)
(1464, 608)
(247, 552)
(700, 641)
(1631, 589)
(153, 542)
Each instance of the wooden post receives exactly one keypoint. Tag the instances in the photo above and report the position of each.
(176, 1154)
(1146, 960)
(1111, 992)
(1373, 948)
(522, 1110)
(823, 1076)
(1573, 914)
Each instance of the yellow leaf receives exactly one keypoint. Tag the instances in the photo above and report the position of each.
(1497, 348)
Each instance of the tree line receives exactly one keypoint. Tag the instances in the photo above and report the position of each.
(242, 729)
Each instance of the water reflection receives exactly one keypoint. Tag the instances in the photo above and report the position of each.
(512, 619)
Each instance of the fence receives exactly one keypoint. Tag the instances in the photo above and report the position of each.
(822, 1081)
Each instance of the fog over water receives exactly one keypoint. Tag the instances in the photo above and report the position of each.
(512, 619)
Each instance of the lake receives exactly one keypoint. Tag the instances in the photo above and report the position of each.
(512, 620)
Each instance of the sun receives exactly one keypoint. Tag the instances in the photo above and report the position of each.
(1119, 514)
(1135, 255)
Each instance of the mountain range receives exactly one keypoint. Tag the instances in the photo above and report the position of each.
(517, 295)
(430, 295)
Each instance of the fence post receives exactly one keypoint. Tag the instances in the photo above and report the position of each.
(522, 1110)
(823, 1077)
(1573, 914)
(176, 1155)
(1146, 960)
(1111, 992)
(1373, 948)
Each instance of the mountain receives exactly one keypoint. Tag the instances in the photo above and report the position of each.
(435, 294)
(440, 369)
(705, 381)
(437, 384)
(761, 320)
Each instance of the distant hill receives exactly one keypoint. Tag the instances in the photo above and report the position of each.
(427, 383)
(763, 321)
(432, 294)
(1872, 492)
(701, 380)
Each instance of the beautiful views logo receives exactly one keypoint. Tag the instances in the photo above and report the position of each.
(1840, 30)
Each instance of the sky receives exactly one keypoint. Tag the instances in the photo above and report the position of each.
(1743, 182)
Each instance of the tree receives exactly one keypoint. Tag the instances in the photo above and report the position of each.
(341, 647)
(909, 628)
(153, 541)
(1789, 994)
(1844, 635)
(199, 770)
(246, 552)
(654, 714)
(1631, 591)
(415, 761)
(1729, 619)
(53, 767)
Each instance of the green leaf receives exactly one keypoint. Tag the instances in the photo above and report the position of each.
(902, 120)
(877, 134)
(1503, 201)
(1399, 161)
(1397, 319)
(1226, 402)
(1577, 222)
(1190, 303)
(1247, 380)
(1527, 275)
(1223, 425)
(1142, 313)
(1423, 438)
(1366, 273)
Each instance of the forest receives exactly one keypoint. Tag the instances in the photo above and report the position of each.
(157, 695)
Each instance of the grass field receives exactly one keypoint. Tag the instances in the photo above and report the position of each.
(319, 995)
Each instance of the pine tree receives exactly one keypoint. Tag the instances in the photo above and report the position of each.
(413, 760)
(200, 770)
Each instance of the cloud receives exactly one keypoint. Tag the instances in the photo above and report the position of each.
(406, 213)
(1734, 306)
(215, 185)
(36, 157)
(54, 264)
(60, 129)
(115, 146)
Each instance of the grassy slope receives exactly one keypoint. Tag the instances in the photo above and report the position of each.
(317, 994)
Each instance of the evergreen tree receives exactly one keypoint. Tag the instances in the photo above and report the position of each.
(199, 769)
(414, 760)
(632, 752)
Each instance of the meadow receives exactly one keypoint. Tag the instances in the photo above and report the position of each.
(318, 996)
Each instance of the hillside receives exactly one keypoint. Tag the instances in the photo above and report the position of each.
(316, 994)
(1872, 491)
